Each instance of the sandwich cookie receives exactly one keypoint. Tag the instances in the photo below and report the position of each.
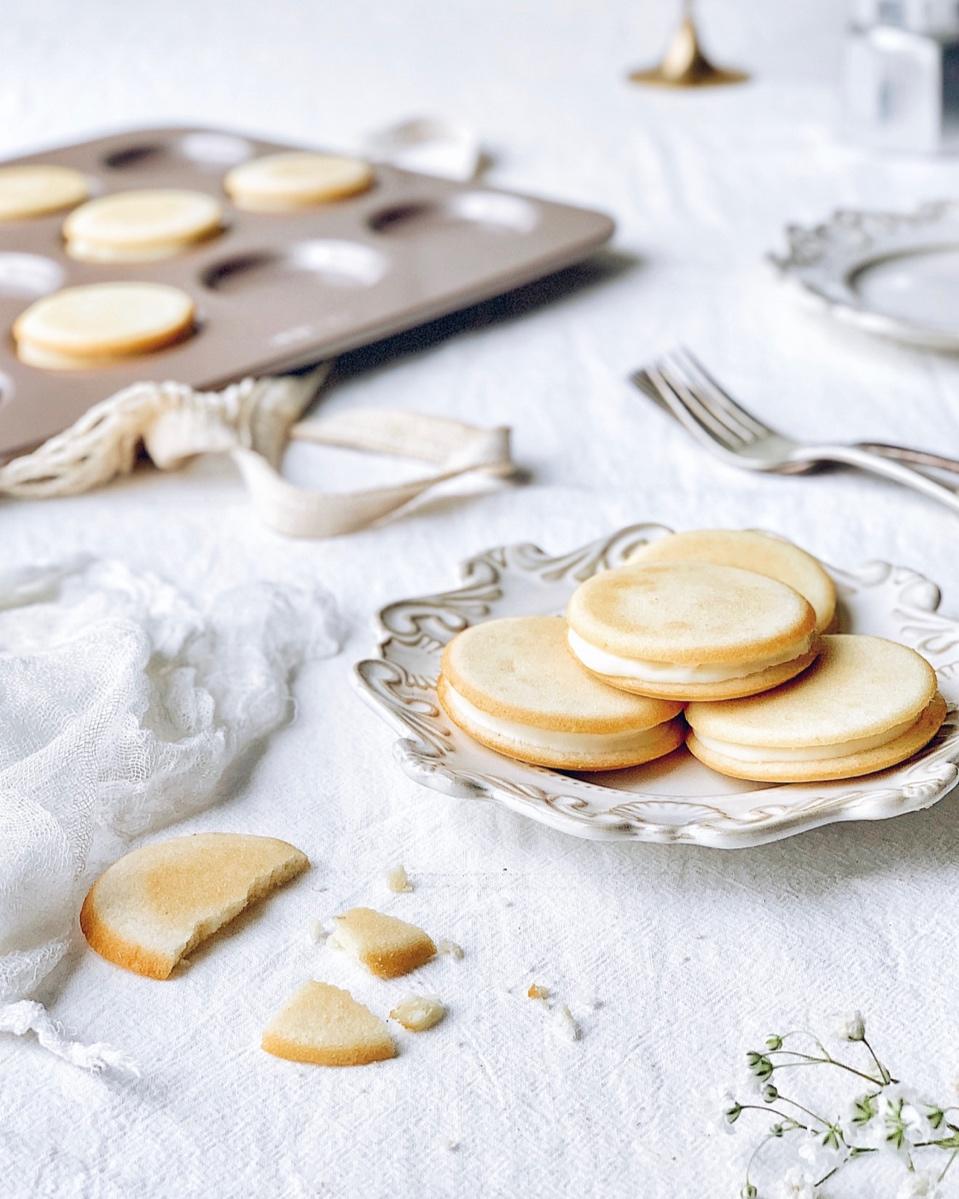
(750, 550)
(865, 704)
(36, 189)
(690, 630)
(296, 179)
(95, 325)
(141, 226)
(513, 685)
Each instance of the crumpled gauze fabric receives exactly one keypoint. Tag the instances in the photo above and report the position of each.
(122, 708)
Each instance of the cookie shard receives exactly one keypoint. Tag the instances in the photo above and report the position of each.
(155, 905)
(750, 549)
(325, 1026)
(387, 946)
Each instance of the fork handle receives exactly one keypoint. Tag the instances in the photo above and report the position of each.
(915, 457)
(877, 464)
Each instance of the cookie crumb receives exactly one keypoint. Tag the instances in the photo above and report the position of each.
(417, 1013)
(398, 880)
(538, 992)
(564, 1023)
(451, 949)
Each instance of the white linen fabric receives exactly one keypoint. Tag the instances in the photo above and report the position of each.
(693, 954)
(124, 706)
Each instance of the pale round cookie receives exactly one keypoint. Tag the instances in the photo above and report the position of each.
(35, 189)
(864, 705)
(296, 179)
(750, 550)
(513, 685)
(690, 630)
(96, 324)
(140, 226)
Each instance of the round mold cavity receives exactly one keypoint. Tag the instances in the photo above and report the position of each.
(485, 211)
(211, 150)
(27, 276)
(335, 263)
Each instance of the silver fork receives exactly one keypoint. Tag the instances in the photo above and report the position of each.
(681, 384)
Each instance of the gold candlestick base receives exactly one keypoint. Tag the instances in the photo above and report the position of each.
(685, 64)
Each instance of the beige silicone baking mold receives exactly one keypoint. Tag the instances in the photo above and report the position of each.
(274, 290)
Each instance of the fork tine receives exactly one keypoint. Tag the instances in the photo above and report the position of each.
(727, 435)
(689, 414)
(751, 426)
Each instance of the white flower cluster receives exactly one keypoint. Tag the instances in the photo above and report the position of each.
(887, 1119)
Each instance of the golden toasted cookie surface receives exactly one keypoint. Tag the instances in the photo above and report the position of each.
(35, 189)
(823, 769)
(153, 905)
(296, 179)
(105, 320)
(859, 686)
(144, 224)
(689, 612)
(750, 550)
(520, 668)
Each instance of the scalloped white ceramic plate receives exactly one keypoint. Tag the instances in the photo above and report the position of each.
(891, 273)
(675, 799)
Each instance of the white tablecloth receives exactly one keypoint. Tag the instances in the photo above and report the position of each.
(692, 955)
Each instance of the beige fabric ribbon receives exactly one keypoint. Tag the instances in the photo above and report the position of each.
(253, 421)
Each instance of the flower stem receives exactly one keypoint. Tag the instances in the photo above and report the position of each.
(952, 1158)
(824, 1123)
(808, 1060)
(755, 1107)
(883, 1072)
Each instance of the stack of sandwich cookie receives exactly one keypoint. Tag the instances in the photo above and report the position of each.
(94, 325)
(691, 630)
(730, 623)
(141, 226)
(513, 685)
(866, 704)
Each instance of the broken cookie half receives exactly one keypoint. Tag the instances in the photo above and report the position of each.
(156, 904)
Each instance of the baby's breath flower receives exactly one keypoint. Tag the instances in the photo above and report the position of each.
(731, 1110)
(919, 1184)
(748, 1191)
(934, 1116)
(759, 1064)
(863, 1110)
(851, 1027)
(797, 1184)
(773, 1042)
(769, 1093)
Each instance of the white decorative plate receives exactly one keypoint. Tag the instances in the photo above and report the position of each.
(891, 273)
(676, 798)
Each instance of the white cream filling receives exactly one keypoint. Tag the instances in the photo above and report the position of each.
(549, 739)
(603, 662)
(812, 753)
